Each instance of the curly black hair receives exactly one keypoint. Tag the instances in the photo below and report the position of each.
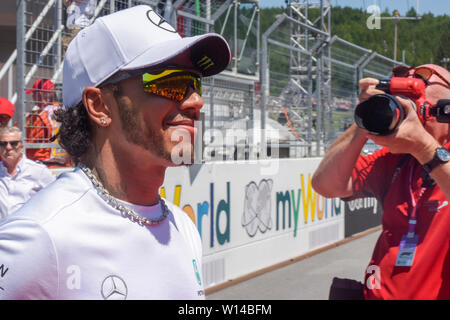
(75, 134)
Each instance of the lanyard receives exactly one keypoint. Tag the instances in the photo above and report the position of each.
(408, 244)
(413, 219)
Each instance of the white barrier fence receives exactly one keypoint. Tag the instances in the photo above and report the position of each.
(249, 220)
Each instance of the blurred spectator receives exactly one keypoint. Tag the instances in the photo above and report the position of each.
(20, 178)
(41, 125)
(43, 93)
(79, 14)
(6, 111)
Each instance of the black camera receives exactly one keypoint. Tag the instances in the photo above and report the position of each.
(441, 110)
(381, 114)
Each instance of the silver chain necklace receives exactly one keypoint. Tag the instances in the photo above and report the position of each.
(126, 212)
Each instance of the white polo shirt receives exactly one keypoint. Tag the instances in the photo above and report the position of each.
(17, 189)
(68, 243)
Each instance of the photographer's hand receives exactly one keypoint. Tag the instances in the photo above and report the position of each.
(368, 88)
(410, 137)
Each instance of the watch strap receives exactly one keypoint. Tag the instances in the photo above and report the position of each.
(436, 161)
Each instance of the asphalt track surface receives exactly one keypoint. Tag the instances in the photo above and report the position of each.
(307, 279)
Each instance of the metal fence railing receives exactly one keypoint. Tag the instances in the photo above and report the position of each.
(295, 85)
(309, 78)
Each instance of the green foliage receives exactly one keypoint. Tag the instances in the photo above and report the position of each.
(424, 41)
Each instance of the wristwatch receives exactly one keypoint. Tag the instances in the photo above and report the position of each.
(441, 156)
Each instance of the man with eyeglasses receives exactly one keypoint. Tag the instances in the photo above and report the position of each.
(411, 178)
(131, 92)
(20, 178)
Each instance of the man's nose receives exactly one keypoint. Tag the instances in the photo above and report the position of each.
(193, 101)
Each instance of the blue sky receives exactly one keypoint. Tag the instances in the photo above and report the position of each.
(437, 7)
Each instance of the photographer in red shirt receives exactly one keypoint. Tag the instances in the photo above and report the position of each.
(410, 176)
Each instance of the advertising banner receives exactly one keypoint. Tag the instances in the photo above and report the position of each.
(362, 214)
(254, 214)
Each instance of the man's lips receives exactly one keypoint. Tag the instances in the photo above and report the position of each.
(184, 122)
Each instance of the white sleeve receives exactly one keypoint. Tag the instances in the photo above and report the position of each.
(28, 263)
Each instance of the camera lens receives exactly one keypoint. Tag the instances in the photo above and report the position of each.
(380, 114)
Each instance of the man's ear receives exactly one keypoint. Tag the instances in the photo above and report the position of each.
(99, 112)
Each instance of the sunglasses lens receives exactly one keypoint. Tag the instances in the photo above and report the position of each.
(172, 84)
(13, 144)
(401, 71)
(424, 72)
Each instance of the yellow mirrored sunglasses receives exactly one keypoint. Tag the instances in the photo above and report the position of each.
(172, 84)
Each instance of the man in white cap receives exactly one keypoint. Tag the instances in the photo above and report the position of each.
(131, 84)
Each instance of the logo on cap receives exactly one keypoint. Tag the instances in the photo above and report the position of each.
(205, 63)
(159, 21)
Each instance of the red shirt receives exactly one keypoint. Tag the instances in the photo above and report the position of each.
(39, 130)
(429, 276)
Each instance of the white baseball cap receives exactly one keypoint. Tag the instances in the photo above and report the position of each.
(130, 39)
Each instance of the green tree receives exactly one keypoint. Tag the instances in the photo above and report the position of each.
(426, 40)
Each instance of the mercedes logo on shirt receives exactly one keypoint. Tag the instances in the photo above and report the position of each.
(159, 21)
(114, 288)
